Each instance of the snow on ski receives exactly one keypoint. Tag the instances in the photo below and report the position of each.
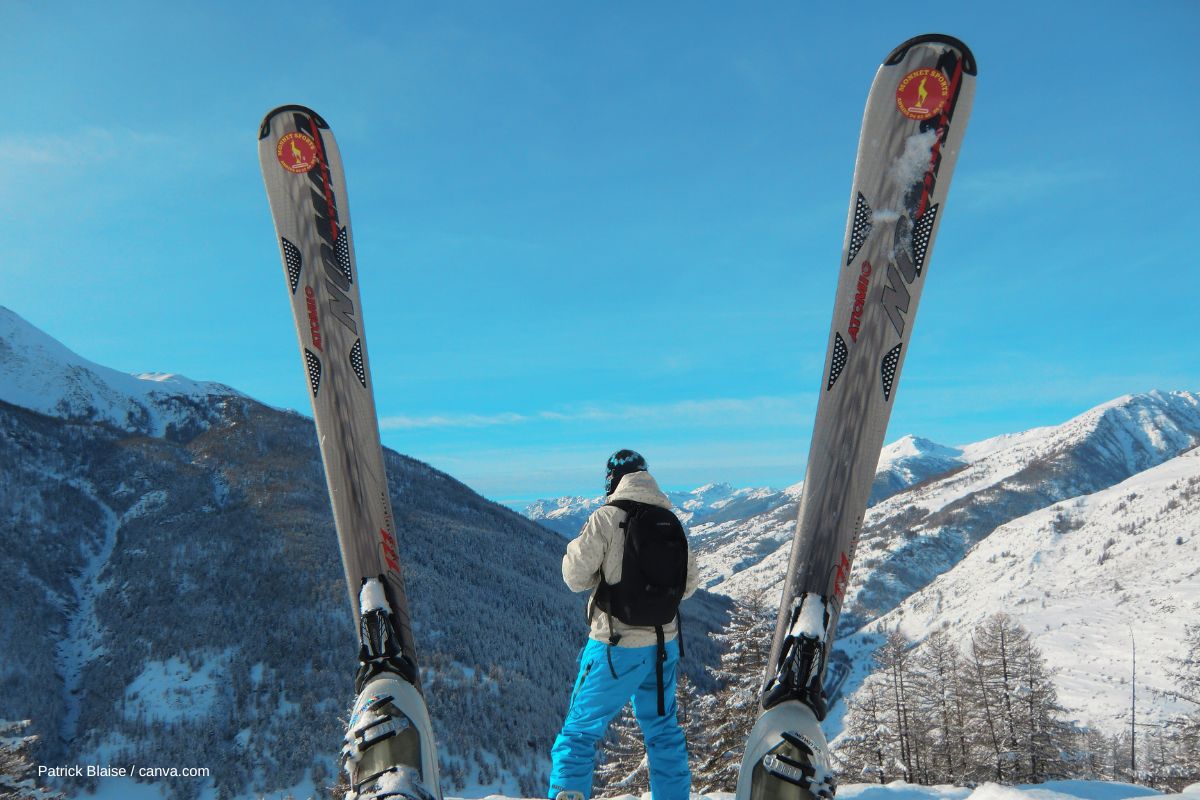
(912, 130)
(389, 746)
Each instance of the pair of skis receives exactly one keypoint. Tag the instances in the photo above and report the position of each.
(912, 130)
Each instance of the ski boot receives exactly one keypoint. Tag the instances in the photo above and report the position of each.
(388, 750)
(787, 757)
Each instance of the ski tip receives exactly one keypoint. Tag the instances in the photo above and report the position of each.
(968, 58)
(265, 128)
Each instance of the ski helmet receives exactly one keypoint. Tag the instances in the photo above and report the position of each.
(620, 464)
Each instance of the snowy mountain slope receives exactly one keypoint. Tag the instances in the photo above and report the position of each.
(909, 461)
(912, 537)
(758, 544)
(198, 583)
(922, 533)
(39, 373)
(1084, 576)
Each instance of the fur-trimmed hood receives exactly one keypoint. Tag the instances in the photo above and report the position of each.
(641, 488)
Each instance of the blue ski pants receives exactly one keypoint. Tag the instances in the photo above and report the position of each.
(598, 697)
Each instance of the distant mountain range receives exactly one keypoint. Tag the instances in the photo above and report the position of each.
(908, 461)
(712, 502)
(40, 374)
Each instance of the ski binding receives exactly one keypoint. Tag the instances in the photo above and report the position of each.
(786, 757)
(388, 749)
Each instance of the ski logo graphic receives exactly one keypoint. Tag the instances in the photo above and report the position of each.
(294, 262)
(314, 325)
(335, 244)
(337, 282)
(388, 543)
(923, 93)
(861, 228)
(860, 300)
(921, 233)
(297, 152)
(841, 579)
(901, 272)
(356, 362)
(314, 370)
(342, 251)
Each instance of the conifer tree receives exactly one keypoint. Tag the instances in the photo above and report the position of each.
(867, 750)
(1184, 730)
(1045, 738)
(1096, 756)
(992, 684)
(723, 721)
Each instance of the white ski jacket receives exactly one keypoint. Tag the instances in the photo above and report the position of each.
(601, 546)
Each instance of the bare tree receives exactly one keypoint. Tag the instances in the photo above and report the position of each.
(892, 659)
(1028, 739)
(940, 699)
(17, 767)
(624, 769)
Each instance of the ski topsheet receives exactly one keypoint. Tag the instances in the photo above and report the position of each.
(302, 170)
(912, 130)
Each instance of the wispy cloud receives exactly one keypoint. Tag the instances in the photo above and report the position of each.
(517, 475)
(988, 188)
(79, 149)
(402, 422)
(723, 409)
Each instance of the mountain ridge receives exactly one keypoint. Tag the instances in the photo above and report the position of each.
(40, 373)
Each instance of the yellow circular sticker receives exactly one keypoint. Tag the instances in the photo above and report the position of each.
(923, 93)
(297, 152)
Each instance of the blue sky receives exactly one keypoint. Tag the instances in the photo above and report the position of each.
(586, 226)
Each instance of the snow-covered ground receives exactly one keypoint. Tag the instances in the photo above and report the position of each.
(899, 790)
(124, 789)
(1087, 577)
(1082, 574)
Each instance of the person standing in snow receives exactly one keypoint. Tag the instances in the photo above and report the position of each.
(633, 647)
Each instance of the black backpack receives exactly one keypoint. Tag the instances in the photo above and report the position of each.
(653, 568)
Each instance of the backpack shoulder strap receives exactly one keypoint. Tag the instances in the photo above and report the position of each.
(628, 506)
